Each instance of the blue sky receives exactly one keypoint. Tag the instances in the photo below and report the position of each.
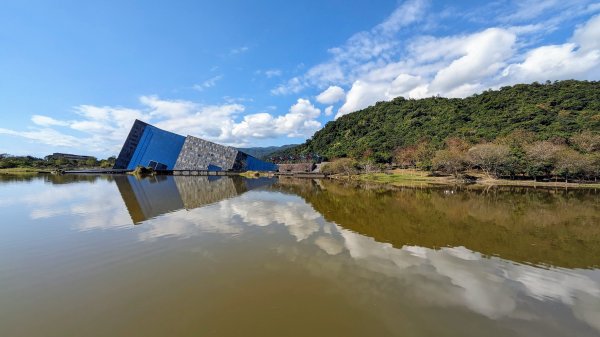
(75, 74)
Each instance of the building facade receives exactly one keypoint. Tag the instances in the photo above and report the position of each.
(149, 146)
(68, 156)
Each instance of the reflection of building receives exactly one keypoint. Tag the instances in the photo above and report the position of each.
(147, 145)
(151, 197)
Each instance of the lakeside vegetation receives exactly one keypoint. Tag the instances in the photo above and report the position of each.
(533, 131)
(10, 164)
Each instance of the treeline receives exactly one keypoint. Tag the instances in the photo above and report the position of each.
(9, 161)
(516, 155)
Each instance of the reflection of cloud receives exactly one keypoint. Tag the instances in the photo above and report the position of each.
(330, 245)
(487, 286)
(254, 208)
(97, 209)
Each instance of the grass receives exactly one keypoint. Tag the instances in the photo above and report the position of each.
(255, 174)
(22, 170)
(412, 178)
(404, 178)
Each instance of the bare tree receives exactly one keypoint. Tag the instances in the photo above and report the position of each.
(541, 157)
(489, 157)
(451, 162)
(406, 156)
(586, 141)
(570, 163)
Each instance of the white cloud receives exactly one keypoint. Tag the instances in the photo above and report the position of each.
(273, 73)
(46, 136)
(294, 85)
(329, 110)
(47, 121)
(300, 121)
(482, 55)
(239, 50)
(103, 129)
(587, 36)
(577, 59)
(211, 82)
(331, 95)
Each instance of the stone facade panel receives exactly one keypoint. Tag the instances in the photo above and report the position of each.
(198, 154)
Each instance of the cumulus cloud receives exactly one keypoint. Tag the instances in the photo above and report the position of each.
(104, 128)
(451, 66)
(579, 58)
(298, 122)
(331, 95)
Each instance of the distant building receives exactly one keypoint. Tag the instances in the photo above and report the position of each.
(149, 146)
(296, 168)
(67, 156)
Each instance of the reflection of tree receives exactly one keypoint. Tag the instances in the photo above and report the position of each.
(524, 225)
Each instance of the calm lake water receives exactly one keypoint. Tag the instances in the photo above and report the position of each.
(197, 256)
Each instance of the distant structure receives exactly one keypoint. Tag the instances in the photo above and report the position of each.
(299, 167)
(149, 146)
(67, 156)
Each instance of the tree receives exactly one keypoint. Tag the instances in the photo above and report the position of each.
(593, 169)
(541, 157)
(345, 166)
(407, 156)
(586, 141)
(451, 162)
(491, 158)
(570, 163)
(91, 162)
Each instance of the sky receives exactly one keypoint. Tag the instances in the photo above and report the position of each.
(74, 75)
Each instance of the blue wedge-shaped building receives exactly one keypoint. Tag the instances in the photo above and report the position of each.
(149, 146)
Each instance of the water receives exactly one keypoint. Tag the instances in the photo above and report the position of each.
(198, 256)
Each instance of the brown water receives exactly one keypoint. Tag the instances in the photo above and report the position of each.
(192, 256)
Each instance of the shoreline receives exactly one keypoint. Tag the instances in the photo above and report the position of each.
(415, 178)
(397, 178)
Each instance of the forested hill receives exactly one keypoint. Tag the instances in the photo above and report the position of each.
(552, 111)
(264, 152)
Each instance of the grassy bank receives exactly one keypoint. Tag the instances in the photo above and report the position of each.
(415, 178)
(22, 170)
(255, 174)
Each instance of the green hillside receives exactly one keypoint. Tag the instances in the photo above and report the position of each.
(264, 152)
(555, 110)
